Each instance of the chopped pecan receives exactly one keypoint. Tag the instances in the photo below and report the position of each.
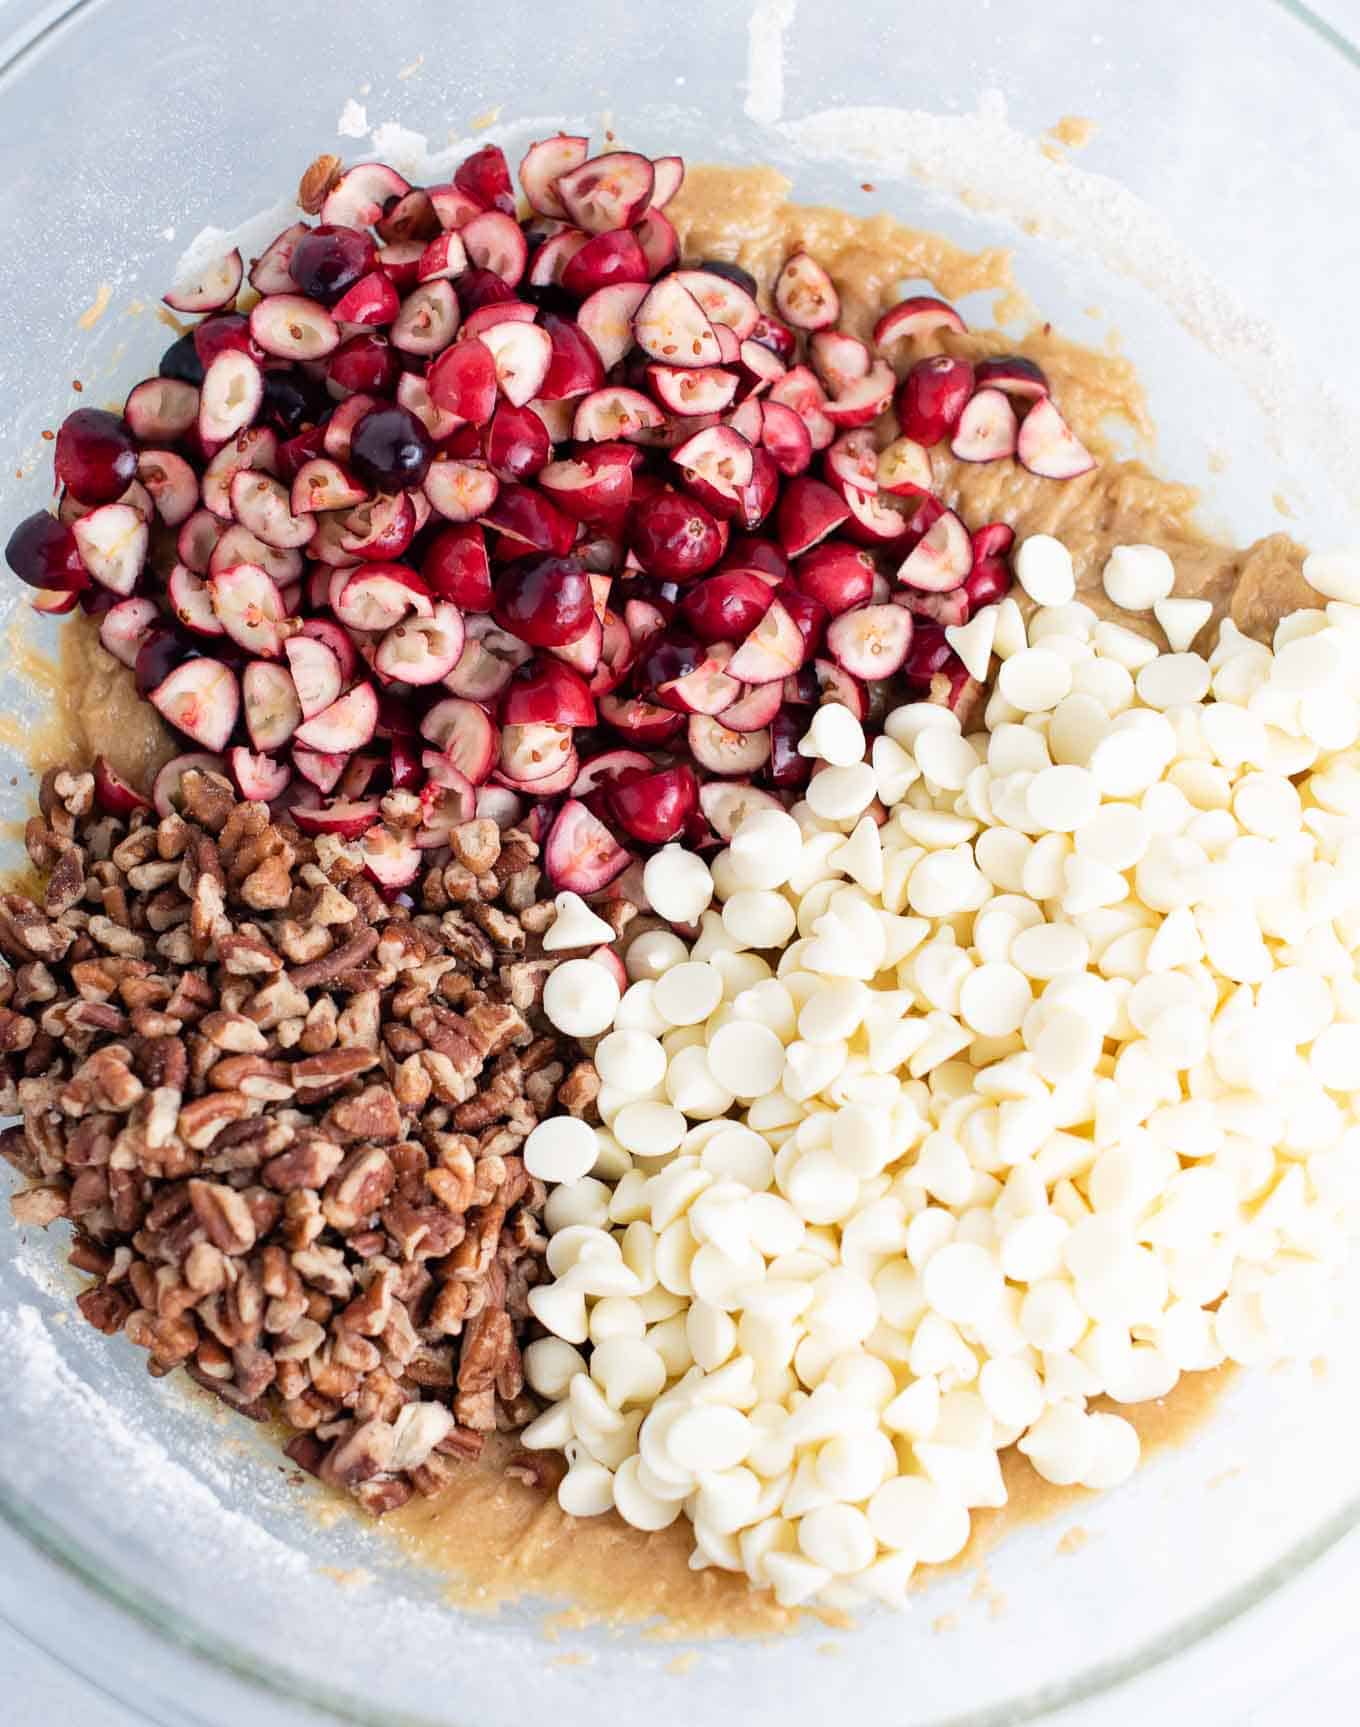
(317, 179)
(349, 954)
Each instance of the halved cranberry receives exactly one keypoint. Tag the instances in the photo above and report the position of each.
(808, 614)
(654, 807)
(96, 456)
(727, 606)
(836, 574)
(366, 362)
(644, 722)
(595, 485)
(988, 581)
(390, 449)
(485, 177)
(547, 602)
(181, 361)
(223, 331)
(932, 397)
(291, 399)
(526, 522)
(547, 692)
(928, 654)
(807, 513)
(787, 768)
(575, 367)
(752, 552)
(43, 553)
(605, 261)
(517, 443)
(667, 657)
(580, 852)
(674, 536)
(329, 259)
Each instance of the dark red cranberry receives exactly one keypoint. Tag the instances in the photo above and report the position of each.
(329, 259)
(222, 331)
(158, 656)
(292, 399)
(731, 272)
(674, 536)
(180, 360)
(455, 566)
(673, 655)
(296, 452)
(988, 581)
(546, 602)
(752, 552)
(396, 717)
(775, 336)
(477, 288)
(96, 455)
(517, 443)
(727, 606)
(929, 653)
(95, 601)
(485, 176)
(390, 449)
(932, 397)
(786, 767)
(366, 363)
(654, 808)
(42, 552)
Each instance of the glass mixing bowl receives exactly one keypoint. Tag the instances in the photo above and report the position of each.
(156, 1546)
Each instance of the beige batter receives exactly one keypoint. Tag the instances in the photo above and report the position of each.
(495, 1537)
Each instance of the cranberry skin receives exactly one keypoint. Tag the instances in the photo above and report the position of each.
(775, 336)
(390, 450)
(180, 360)
(654, 808)
(478, 288)
(575, 366)
(223, 331)
(328, 259)
(786, 768)
(730, 272)
(545, 601)
(929, 653)
(455, 567)
(42, 552)
(365, 363)
(932, 397)
(809, 615)
(485, 176)
(291, 400)
(96, 455)
(674, 536)
(673, 655)
(988, 581)
(517, 443)
(158, 656)
(396, 716)
(727, 606)
(752, 552)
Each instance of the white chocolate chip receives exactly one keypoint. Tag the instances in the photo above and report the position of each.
(1136, 577)
(1043, 568)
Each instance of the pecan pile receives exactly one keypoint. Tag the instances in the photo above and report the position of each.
(284, 1115)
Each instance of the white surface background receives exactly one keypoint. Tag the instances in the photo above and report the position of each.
(1295, 1660)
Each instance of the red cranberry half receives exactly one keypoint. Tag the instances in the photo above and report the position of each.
(547, 602)
(328, 259)
(96, 455)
